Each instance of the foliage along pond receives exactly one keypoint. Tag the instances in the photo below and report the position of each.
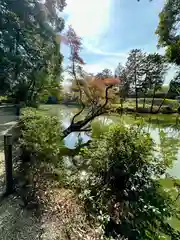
(164, 130)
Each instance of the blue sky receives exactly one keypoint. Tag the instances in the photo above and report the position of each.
(111, 28)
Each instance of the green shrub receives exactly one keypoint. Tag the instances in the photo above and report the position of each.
(171, 102)
(41, 143)
(3, 99)
(41, 134)
(120, 189)
(46, 177)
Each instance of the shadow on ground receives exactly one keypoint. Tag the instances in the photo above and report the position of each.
(16, 223)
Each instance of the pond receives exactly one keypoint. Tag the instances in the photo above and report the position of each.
(164, 130)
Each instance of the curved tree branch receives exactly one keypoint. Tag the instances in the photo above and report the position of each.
(76, 127)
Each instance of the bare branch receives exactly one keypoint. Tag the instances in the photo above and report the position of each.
(76, 127)
(85, 130)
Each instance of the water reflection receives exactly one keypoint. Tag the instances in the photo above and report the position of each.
(71, 140)
(166, 136)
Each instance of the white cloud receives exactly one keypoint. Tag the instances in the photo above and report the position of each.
(90, 19)
(110, 60)
(105, 53)
(107, 62)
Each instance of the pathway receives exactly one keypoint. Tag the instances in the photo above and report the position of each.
(7, 121)
(15, 223)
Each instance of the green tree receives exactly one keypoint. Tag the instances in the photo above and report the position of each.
(124, 86)
(106, 73)
(27, 43)
(157, 67)
(146, 82)
(121, 189)
(135, 71)
(168, 30)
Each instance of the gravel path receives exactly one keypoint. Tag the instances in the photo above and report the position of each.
(16, 223)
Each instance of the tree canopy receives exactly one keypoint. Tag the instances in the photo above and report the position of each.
(168, 30)
(27, 47)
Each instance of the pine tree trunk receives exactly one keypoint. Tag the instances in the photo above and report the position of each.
(144, 100)
(135, 81)
(152, 104)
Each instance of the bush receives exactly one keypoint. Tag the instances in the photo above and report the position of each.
(117, 179)
(41, 134)
(3, 99)
(45, 177)
(41, 144)
(120, 186)
(171, 103)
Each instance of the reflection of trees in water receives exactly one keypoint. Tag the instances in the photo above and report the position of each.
(169, 145)
(166, 136)
(172, 121)
(105, 120)
(164, 131)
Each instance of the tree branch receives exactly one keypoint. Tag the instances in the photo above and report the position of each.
(76, 127)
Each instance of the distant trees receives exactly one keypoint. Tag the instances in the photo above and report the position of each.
(124, 87)
(141, 73)
(105, 73)
(156, 73)
(135, 71)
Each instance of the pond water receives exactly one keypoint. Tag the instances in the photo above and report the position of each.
(164, 130)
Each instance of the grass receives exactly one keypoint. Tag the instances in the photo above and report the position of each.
(131, 103)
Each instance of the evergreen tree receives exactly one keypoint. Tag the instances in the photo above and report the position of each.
(135, 71)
